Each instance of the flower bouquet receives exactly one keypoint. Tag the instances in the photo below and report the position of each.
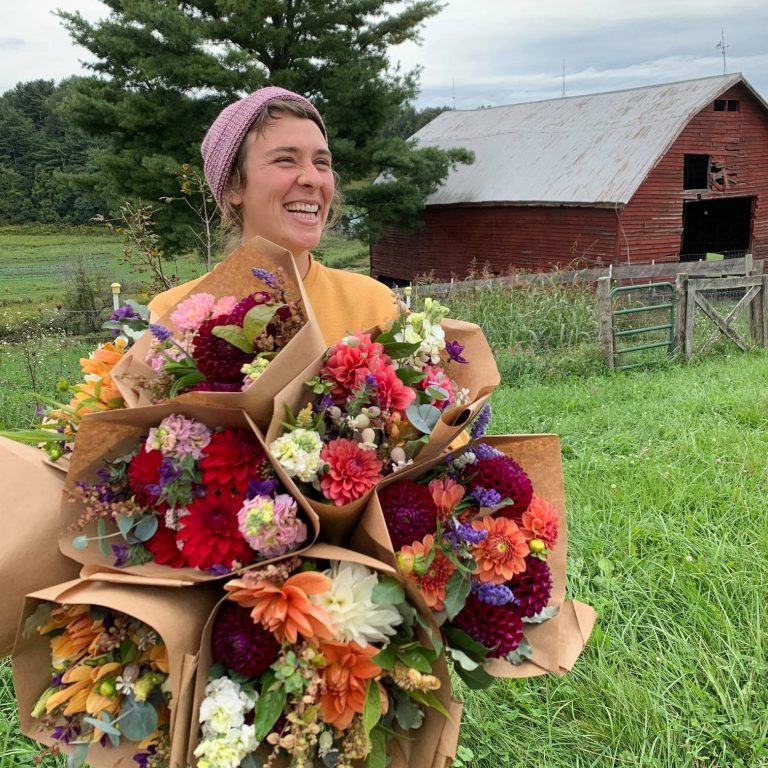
(244, 333)
(185, 492)
(482, 534)
(29, 556)
(104, 672)
(319, 660)
(375, 403)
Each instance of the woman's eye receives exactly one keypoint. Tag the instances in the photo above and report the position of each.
(323, 161)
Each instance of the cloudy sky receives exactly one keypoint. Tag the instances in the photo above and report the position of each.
(491, 52)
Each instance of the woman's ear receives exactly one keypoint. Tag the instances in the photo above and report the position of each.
(234, 195)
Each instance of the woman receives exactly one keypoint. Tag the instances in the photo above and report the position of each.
(267, 162)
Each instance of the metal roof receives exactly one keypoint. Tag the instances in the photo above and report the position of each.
(592, 150)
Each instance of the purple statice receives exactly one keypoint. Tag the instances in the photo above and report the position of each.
(454, 350)
(469, 535)
(143, 758)
(160, 332)
(493, 594)
(370, 381)
(262, 487)
(480, 425)
(266, 276)
(484, 451)
(121, 553)
(485, 497)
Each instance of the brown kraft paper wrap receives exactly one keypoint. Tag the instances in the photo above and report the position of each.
(30, 558)
(437, 738)
(556, 643)
(479, 377)
(233, 277)
(107, 435)
(178, 617)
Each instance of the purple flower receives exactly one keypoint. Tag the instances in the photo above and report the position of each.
(262, 487)
(264, 274)
(469, 535)
(484, 451)
(485, 497)
(143, 758)
(219, 570)
(370, 380)
(454, 350)
(65, 733)
(126, 312)
(493, 594)
(160, 332)
(169, 473)
(121, 552)
(480, 424)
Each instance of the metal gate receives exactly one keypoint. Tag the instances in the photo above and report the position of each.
(666, 309)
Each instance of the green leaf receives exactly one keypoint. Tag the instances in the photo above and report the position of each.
(256, 320)
(128, 651)
(108, 728)
(456, 591)
(372, 706)
(377, 757)
(101, 531)
(463, 660)
(269, 707)
(436, 393)
(407, 713)
(523, 653)
(476, 679)
(410, 376)
(80, 542)
(36, 619)
(34, 436)
(543, 615)
(414, 657)
(233, 335)
(385, 658)
(456, 638)
(138, 719)
(146, 528)
(76, 758)
(434, 637)
(423, 417)
(189, 380)
(397, 350)
(429, 699)
(388, 591)
(125, 525)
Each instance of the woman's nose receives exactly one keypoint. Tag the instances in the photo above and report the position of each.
(309, 176)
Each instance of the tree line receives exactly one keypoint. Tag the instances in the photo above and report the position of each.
(163, 70)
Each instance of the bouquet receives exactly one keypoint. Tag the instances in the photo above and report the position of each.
(375, 402)
(104, 671)
(245, 333)
(187, 489)
(320, 658)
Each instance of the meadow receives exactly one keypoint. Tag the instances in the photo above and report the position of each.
(665, 475)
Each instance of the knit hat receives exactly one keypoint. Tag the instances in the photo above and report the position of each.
(228, 131)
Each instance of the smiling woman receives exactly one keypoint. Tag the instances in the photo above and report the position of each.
(267, 162)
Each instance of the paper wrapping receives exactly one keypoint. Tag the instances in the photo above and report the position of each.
(113, 433)
(436, 739)
(178, 617)
(29, 554)
(479, 377)
(556, 643)
(233, 277)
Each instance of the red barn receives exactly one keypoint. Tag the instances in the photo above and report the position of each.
(664, 173)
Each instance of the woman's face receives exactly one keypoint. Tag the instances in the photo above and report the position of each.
(289, 184)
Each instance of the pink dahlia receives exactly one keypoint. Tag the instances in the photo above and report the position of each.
(497, 627)
(240, 644)
(532, 588)
(191, 313)
(409, 512)
(391, 393)
(507, 478)
(347, 361)
(353, 471)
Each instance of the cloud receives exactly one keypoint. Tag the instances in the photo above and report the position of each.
(12, 43)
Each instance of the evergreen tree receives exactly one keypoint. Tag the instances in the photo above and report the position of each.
(164, 69)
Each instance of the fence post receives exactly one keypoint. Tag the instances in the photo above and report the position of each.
(764, 307)
(605, 319)
(747, 264)
(690, 318)
(681, 291)
(115, 295)
(756, 308)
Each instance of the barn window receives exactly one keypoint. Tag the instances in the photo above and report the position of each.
(733, 105)
(726, 105)
(720, 105)
(696, 172)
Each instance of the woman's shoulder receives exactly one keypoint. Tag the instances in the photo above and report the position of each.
(351, 281)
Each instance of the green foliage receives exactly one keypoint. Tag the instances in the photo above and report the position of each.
(164, 70)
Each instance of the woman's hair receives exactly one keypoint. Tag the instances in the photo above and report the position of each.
(231, 214)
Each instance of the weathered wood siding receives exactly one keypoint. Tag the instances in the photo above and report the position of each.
(652, 221)
(502, 238)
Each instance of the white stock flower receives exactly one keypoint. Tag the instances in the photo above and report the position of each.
(298, 453)
(350, 607)
(223, 708)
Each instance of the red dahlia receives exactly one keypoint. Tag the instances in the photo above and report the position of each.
(409, 512)
(164, 548)
(507, 477)
(231, 459)
(217, 359)
(209, 534)
(532, 588)
(241, 645)
(497, 627)
(143, 473)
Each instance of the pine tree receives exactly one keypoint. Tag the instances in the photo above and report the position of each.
(164, 69)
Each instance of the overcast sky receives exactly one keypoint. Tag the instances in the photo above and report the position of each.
(491, 52)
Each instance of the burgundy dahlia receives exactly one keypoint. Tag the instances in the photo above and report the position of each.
(217, 359)
(409, 512)
(240, 645)
(533, 587)
(507, 477)
(498, 627)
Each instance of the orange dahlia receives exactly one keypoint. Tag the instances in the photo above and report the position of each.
(501, 554)
(431, 578)
(345, 680)
(540, 521)
(446, 493)
(285, 610)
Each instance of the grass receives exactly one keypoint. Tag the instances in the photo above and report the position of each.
(667, 486)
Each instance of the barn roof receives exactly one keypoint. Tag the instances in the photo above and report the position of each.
(594, 149)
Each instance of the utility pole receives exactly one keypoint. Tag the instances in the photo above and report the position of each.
(722, 46)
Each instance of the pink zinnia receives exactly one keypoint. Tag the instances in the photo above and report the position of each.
(352, 471)
(193, 311)
(346, 362)
(390, 393)
(224, 306)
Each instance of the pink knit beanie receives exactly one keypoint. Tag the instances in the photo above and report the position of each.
(228, 131)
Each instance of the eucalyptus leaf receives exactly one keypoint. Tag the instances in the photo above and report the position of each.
(543, 615)
(330, 758)
(107, 728)
(146, 528)
(101, 531)
(125, 525)
(138, 719)
(388, 590)
(521, 654)
(423, 417)
(251, 760)
(80, 542)
(407, 713)
(36, 619)
(436, 393)
(257, 319)
(76, 758)
(234, 335)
